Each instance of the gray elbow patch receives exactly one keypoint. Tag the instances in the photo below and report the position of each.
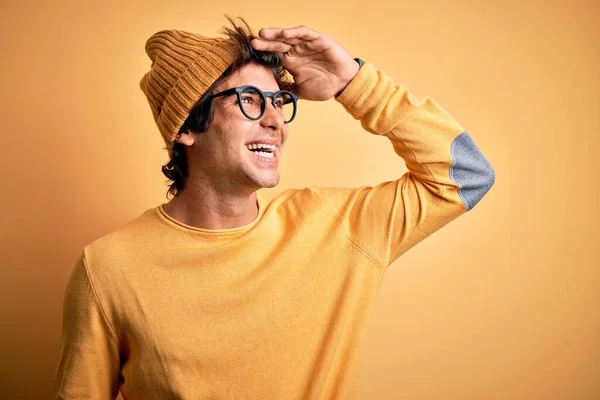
(470, 170)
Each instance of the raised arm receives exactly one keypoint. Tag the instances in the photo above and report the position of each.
(448, 175)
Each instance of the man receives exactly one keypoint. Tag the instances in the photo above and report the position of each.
(219, 294)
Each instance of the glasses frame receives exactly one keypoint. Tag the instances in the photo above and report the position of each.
(239, 90)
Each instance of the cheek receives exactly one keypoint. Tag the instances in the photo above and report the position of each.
(232, 137)
(231, 131)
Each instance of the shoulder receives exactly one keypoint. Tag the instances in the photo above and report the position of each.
(293, 198)
(123, 242)
(311, 200)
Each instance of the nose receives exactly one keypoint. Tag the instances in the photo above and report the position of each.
(272, 118)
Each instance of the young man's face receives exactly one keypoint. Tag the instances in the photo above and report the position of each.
(223, 153)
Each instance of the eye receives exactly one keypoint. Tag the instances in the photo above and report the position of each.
(279, 103)
(247, 99)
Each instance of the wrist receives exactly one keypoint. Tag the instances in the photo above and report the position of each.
(354, 71)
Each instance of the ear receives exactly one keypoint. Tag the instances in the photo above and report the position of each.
(185, 138)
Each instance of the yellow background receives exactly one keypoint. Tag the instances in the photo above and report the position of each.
(503, 303)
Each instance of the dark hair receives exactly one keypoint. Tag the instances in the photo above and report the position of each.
(176, 170)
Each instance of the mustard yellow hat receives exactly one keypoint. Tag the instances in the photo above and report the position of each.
(184, 66)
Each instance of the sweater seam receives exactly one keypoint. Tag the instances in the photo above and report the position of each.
(355, 242)
(96, 298)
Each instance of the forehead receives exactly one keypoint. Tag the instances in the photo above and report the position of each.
(251, 74)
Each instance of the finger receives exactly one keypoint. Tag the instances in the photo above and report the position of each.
(294, 41)
(291, 42)
(270, 45)
(300, 32)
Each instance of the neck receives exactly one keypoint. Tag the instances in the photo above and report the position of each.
(208, 207)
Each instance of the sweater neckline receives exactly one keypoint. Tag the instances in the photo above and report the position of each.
(178, 225)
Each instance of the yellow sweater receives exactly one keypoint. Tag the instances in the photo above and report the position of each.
(276, 309)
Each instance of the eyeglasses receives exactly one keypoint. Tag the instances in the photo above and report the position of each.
(253, 101)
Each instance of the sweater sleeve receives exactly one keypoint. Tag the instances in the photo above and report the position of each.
(89, 363)
(447, 174)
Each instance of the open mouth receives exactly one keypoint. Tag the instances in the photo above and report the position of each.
(263, 150)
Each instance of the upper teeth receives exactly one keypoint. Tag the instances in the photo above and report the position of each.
(261, 146)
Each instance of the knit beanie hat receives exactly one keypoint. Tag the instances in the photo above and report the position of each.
(184, 66)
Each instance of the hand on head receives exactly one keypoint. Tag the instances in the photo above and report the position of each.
(321, 67)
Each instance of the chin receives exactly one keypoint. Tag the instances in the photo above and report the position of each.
(262, 180)
(271, 183)
(266, 182)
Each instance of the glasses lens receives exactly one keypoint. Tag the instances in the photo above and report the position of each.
(251, 101)
(286, 105)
